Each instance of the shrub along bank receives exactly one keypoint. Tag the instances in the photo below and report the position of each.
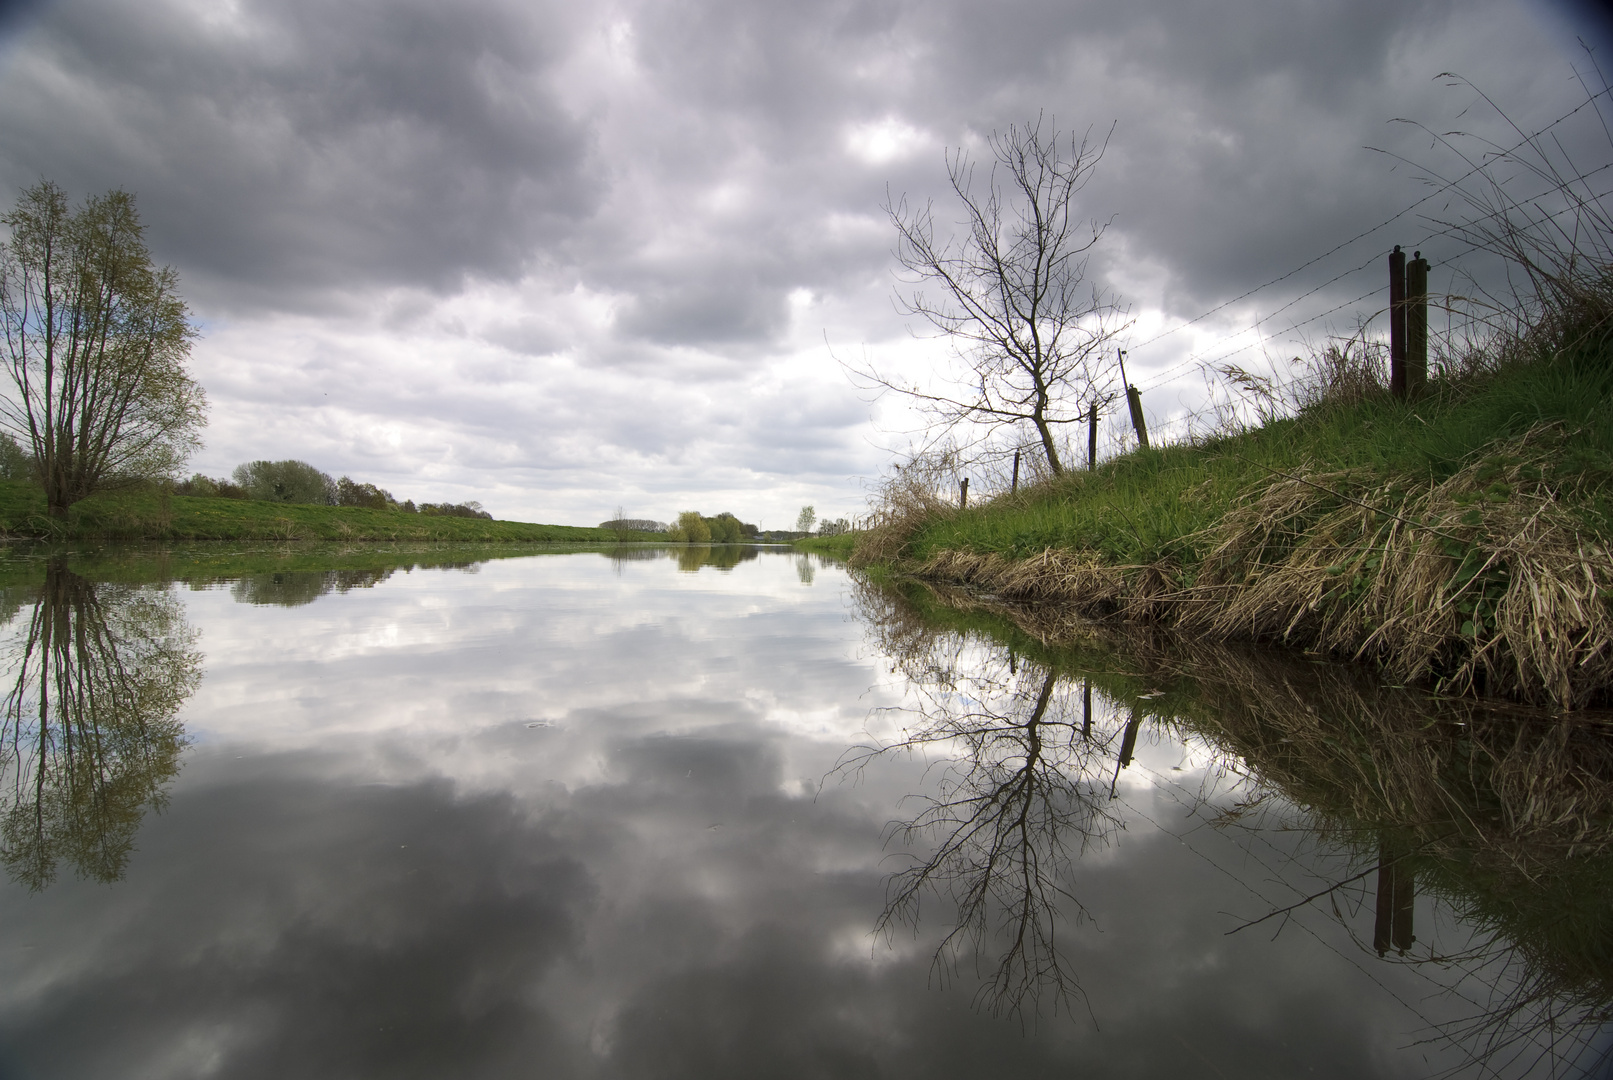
(1460, 539)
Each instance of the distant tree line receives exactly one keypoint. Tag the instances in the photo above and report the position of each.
(299, 482)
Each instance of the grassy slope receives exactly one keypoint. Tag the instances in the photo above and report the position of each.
(145, 515)
(1154, 506)
(1461, 539)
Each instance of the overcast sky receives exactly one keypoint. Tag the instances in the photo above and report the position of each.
(561, 257)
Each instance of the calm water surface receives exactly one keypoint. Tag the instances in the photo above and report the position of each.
(582, 816)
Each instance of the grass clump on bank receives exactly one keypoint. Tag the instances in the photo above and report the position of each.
(838, 546)
(1463, 538)
(152, 514)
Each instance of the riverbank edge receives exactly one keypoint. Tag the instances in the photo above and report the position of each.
(147, 516)
(1484, 645)
(1462, 541)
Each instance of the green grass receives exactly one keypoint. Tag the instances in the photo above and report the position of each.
(838, 547)
(1151, 506)
(150, 515)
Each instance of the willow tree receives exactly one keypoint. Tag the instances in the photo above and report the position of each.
(1011, 291)
(96, 342)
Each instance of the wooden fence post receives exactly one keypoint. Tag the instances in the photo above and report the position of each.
(1015, 486)
(1092, 437)
(963, 494)
(1134, 398)
(1416, 324)
(1397, 322)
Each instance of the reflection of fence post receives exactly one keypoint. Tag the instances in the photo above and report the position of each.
(1128, 742)
(1396, 900)
(1015, 486)
(1384, 914)
(1397, 322)
(1416, 324)
(963, 494)
(1086, 710)
(1092, 437)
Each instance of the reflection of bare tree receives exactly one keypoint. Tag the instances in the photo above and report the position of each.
(1024, 793)
(90, 738)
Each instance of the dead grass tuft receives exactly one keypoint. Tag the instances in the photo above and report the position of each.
(1482, 582)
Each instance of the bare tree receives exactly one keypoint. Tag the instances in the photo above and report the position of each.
(1012, 293)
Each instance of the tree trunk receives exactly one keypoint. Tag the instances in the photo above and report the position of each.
(1048, 448)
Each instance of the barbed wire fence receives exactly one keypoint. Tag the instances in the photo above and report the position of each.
(1234, 391)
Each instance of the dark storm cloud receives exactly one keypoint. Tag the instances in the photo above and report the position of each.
(709, 312)
(510, 245)
(295, 147)
(397, 938)
(281, 150)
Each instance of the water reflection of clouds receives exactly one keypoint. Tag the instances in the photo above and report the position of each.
(326, 928)
(375, 867)
(449, 656)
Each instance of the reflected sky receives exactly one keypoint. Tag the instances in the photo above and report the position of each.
(577, 816)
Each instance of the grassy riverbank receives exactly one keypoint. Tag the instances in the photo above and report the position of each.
(1462, 539)
(152, 515)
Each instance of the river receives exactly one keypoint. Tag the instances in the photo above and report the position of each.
(734, 812)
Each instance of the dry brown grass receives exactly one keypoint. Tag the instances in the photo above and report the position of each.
(1484, 581)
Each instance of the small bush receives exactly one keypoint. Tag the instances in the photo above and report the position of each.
(464, 510)
(286, 482)
(15, 462)
(351, 493)
(207, 487)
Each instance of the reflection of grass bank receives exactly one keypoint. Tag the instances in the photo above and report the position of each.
(1463, 538)
(152, 515)
(203, 565)
(1502, 813)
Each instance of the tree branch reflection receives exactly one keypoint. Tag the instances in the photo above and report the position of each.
(90, 737)
(1024, 791)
